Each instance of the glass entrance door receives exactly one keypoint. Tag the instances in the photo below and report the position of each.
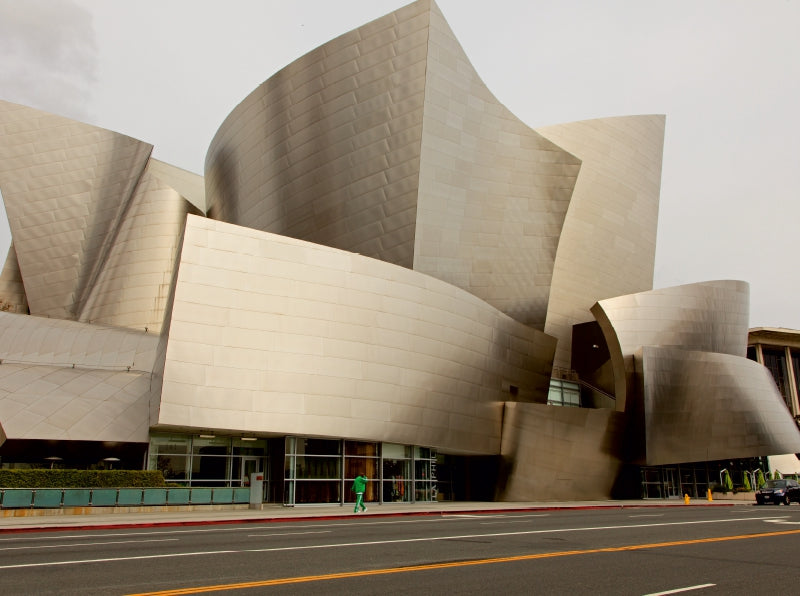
(672, 485)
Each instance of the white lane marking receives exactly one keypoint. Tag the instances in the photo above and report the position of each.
(782, 521)
(73, 544)
(514, 520)
(679, 590)
(370, 543)
(221, 529)
(288, 534)
(648, 515)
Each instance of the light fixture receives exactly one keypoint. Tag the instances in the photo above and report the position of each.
(207, 436)
(249, 439)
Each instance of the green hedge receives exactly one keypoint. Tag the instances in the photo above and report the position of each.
(43, 478)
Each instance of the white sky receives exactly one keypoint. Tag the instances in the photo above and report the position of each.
(725, 72)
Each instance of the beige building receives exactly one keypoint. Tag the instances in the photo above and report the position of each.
(382, 270)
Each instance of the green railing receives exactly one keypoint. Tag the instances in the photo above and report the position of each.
(55, 498)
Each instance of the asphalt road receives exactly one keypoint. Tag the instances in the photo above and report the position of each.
(703, 550)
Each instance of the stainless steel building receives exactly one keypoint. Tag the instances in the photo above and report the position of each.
(382, 270)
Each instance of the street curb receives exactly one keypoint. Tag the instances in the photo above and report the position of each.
(338, 516)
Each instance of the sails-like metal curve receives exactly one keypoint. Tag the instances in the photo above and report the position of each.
(680, 368)
(95, 231)
(385, 142)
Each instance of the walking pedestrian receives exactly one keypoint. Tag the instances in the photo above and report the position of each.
(359, 486)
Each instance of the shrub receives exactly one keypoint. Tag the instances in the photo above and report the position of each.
(42, 478)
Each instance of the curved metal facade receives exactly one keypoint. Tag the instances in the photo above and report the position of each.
(387, 254)
(701, 406)
(385, 142)
(608, 244)
(95, 230)
(272, 334)
(680, 366)
(61, 380)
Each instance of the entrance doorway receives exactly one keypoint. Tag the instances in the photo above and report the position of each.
(672, 483)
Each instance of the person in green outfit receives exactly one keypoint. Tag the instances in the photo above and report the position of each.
(359, 486)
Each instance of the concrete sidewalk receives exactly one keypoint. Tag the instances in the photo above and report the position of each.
(20, 520)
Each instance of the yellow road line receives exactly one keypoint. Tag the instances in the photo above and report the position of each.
(351, 574)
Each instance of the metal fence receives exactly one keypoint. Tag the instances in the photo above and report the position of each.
(55, 498)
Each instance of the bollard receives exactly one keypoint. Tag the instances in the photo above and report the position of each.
(710, 498)
(686, 499)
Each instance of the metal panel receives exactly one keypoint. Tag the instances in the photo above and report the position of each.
(201, 496)
(129, 497)
(607, 247)
(95, 231)
(17, 497)
(327, 149)
(104, 497)
(77, 497)
(559, 453)
(335, 344)
(65, 193)
(493, 193)
(47, 497)
(222, 495)
(708, 316)
(241, 495)
(154, 496)
(356, 145)
(701, 406)
(178, 496)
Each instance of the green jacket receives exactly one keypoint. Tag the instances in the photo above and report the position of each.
(360, 484)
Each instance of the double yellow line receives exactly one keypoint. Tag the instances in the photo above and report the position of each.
(531, 557)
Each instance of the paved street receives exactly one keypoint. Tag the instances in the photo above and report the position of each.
(603, 548)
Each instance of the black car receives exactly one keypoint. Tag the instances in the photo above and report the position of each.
(780, 491)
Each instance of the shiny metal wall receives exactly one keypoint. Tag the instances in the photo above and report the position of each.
(270, 334)
(708, 316)
(65, 190)
(558, 453)
(95, 228)
(327, 150)
(385, 142)
(61, 380)
(493, 193)
(701, 406)
(607, 247)
(12, 290)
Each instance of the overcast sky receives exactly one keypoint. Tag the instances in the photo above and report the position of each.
(725, 72)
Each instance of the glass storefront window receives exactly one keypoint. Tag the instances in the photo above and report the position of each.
(315, 468)
(362, 449)
(393, 450)
(317, 446)
(168, 453)
(206, 461)
(396, 480)
(310, 491)
(318, 468)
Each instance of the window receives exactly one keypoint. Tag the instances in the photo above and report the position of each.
(775, 361)
(564, 393)
(206, 461)
(313, 471)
